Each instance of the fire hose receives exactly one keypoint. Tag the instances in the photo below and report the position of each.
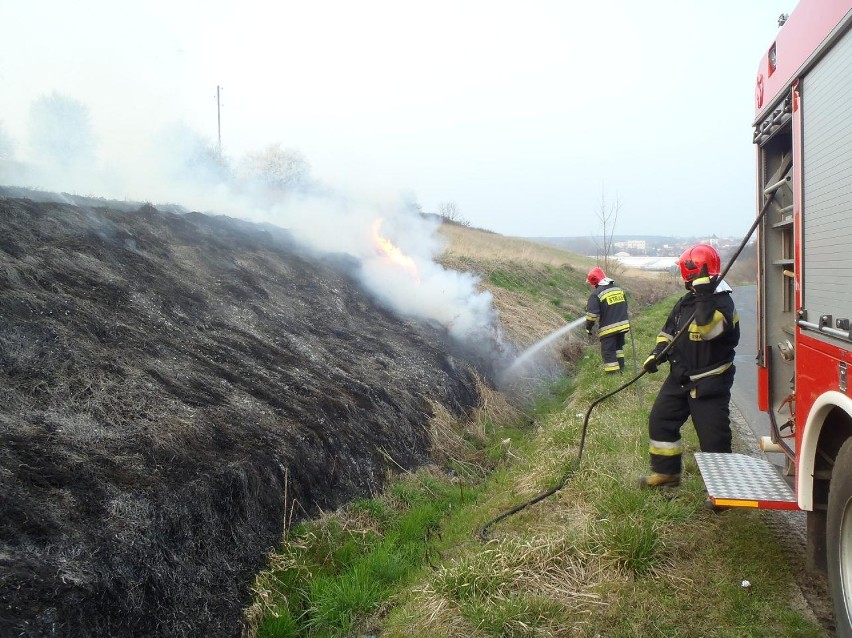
(483, 533)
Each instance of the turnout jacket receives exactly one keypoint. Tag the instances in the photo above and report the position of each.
(608, 305)
(708, 348)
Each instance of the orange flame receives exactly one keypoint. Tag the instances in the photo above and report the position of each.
(392, 253)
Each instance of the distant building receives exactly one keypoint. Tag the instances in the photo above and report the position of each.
(635, 245)
(660, 264)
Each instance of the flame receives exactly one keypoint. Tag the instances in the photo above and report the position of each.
(392, 253)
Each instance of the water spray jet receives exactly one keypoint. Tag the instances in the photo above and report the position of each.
(527, 355)
(569, 472)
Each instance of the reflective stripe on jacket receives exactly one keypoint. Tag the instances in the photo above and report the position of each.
(608, 305)
(708, 347)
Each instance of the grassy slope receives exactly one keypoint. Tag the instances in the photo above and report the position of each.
(598, 558)
(537, 287)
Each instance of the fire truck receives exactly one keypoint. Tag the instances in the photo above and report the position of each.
(803, 139)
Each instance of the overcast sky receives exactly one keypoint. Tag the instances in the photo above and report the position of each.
(520, 113)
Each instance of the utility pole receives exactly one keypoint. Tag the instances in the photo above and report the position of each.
(219, 118)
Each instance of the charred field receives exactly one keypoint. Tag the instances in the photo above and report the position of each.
(173, 385)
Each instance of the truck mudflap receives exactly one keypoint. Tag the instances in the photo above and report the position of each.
(739, 480)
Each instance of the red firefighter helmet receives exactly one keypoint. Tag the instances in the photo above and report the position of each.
(695, 258)
(595, 275)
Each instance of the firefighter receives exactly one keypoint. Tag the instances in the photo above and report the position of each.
(701, 368)
(608, 307)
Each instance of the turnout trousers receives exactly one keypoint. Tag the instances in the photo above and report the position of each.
(707, 402)
(612, 352)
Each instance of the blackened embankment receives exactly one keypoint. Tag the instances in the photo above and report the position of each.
(172, 387)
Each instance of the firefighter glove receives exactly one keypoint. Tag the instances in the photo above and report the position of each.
(589, 326)
(650, 364)
(704, 284)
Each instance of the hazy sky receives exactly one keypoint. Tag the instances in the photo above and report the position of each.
(520, 113)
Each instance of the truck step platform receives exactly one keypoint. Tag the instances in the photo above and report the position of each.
(739, 480)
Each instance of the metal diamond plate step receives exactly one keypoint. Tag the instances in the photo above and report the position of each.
(739, 480)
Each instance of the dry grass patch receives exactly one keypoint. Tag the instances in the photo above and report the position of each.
(520, 586)
(464, 445)
(525, 321)
(477, 244)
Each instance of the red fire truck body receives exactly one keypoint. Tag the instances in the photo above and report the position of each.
(803, 137)
(804, 167)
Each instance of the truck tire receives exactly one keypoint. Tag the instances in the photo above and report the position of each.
(839, 539)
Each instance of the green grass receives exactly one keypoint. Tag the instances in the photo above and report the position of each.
(339, 570)
(563, 287)
(601, 557)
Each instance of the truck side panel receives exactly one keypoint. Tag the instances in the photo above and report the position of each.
(827, 189)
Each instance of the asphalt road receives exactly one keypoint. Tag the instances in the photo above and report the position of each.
(744, 392)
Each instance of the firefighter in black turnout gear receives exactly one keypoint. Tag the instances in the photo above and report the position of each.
(607, 305)
(701, 368)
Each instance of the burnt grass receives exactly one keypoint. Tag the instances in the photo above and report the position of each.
(173, 388)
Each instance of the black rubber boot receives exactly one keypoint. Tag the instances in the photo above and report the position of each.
(656, 480)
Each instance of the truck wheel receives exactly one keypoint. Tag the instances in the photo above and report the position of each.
(839, 539)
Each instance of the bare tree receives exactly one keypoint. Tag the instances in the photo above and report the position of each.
(61, 132)
(276, 168)
(607, 215)
(188, 156)
(450, 213)
(7, 145)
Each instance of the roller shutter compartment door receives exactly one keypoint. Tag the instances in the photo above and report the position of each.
(827, 184)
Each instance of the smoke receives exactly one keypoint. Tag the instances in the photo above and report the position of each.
(273, 185)
(415, 285)
(61, 132)
(7, 145)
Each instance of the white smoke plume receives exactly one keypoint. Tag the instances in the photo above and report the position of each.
(177, 166)
(414, 285)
